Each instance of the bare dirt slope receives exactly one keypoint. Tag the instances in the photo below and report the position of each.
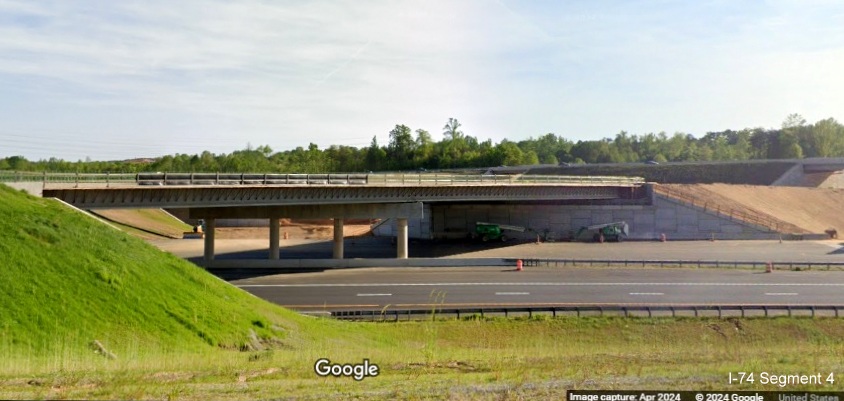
(148, 221)
(812, 210)
(297, 229)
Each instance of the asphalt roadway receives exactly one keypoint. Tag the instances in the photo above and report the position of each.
(376, 288)
(366, 289)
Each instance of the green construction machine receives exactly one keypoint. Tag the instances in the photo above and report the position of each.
(602, 232)
(494, 232)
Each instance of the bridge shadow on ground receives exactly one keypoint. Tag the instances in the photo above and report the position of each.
(354, 248)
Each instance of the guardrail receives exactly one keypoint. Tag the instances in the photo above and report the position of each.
(748, 216)
(719, 311)
(677, 263)
(414, 179)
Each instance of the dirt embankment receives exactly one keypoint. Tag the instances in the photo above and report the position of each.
(298, 229)
(812, 210)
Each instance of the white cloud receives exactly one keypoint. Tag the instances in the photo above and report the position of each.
(186, 76)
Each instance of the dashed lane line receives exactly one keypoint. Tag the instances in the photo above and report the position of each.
(593, 284)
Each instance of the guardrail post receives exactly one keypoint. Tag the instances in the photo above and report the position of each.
(813, 310)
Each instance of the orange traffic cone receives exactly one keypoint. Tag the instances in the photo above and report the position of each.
(519, 265)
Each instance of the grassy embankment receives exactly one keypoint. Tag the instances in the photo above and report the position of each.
(67, 280)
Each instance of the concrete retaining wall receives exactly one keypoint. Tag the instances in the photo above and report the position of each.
(416, 228)
(794, 177)
(676, 220)
(679, 221)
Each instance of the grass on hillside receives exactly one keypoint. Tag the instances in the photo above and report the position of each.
(68, 280)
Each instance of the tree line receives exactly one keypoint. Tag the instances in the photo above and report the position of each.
(409, 149)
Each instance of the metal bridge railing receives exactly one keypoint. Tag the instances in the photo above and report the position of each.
(719, 311)
(410, 179)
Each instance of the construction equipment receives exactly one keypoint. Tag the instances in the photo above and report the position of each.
(492, 231)
(603, 232)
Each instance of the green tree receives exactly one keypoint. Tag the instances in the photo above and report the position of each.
(827, 138)
(376, 157)
(401, 148)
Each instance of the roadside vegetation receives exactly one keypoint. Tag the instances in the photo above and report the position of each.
(91, 312)
(409, 149)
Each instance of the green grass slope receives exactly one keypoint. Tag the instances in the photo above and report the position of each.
(67, 280)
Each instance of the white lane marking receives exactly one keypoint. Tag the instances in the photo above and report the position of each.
(647, 293)
(375, 295)
(780, 293)
(545, 284)
(512, 293)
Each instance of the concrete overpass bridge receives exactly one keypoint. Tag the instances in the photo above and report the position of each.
(320, 196)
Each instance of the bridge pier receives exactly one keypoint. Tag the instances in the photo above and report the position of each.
(401, 238)
(338, 238)
(274, 254)
(210, 225)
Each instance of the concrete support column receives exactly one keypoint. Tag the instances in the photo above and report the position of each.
(274, 238)
(401, 238)
(210, 225)
(338, 238)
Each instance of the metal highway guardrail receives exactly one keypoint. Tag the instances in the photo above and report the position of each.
(412, 179)
(719, 311)
(676, 263)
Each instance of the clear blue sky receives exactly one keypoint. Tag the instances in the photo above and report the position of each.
(121, 79)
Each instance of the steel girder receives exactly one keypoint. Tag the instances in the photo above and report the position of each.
(234, 196)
